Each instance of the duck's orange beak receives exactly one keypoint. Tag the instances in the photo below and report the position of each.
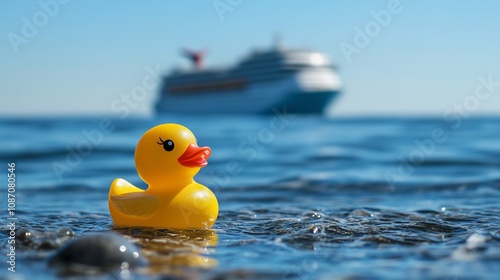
(195, 156)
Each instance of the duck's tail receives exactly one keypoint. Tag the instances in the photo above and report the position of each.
(121, 186)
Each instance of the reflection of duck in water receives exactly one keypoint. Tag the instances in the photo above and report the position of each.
(171, 249)
(166, 158)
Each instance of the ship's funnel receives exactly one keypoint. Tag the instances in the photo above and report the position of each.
(195, 56)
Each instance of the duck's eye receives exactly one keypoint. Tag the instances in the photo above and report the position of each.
(168, 144)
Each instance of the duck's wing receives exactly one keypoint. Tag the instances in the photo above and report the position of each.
(135, 204)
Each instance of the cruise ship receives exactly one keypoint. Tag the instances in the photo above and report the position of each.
(296, 80)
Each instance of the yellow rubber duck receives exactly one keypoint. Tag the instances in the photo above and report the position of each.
(166, 158)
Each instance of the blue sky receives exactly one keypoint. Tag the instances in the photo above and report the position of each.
(85, 55)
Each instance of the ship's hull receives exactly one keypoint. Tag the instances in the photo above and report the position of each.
(308, 92)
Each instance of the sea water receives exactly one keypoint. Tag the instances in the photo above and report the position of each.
(300, 197)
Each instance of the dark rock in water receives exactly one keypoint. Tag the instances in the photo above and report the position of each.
(25, 236)
(28, 238)
(97, 253)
